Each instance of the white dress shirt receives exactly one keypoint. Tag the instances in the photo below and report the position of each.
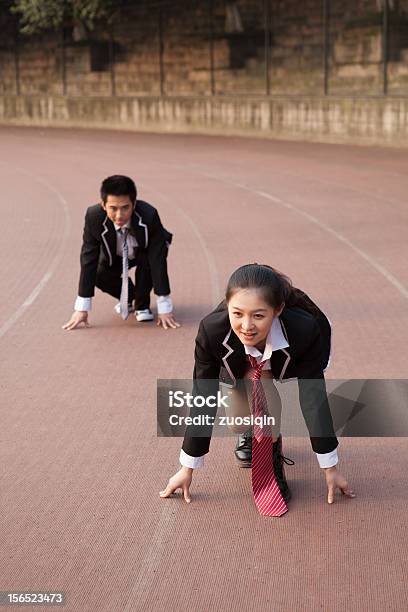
(163, 302)
(274, 342)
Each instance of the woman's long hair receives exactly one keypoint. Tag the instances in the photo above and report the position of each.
(275, 287)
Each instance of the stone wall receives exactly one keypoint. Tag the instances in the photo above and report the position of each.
(373, 120)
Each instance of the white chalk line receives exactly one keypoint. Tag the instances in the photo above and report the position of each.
(327, 228)
(216, 295)
(144, 581)
(143, 584)
(151, 560)
(55, 261)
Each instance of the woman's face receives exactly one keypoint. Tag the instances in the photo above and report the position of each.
(250, 316)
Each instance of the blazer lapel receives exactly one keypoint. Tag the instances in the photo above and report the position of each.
(279, 363)
(285, 352)
(109, 238)
(234, 358)
(140, 230)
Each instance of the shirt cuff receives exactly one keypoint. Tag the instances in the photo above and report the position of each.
(164, 304)
(327, 460)
(191, 462)
(83, 304)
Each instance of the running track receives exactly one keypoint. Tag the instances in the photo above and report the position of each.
(81, 466)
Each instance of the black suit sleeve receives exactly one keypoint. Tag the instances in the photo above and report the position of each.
(206, 382)
(313, 396)
(157, 250)
(89, 260)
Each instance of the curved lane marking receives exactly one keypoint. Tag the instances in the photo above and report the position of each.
(285, 204)
(216, 294)
(55, 261)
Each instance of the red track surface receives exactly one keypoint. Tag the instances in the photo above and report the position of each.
(81, 463)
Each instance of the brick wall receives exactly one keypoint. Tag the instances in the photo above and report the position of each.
(42, 65)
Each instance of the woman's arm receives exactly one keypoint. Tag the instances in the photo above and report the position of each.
(206, 382)
(316, 412)
(197, 440)
(313, 396)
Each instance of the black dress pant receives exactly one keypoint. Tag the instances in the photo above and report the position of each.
(109, 280)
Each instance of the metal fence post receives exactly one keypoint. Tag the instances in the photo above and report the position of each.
(385, 39)
(17, 59)
(112, 61)
(161, 52)
(211, 45)
(326, 43)
(267, 28)
(63, 63)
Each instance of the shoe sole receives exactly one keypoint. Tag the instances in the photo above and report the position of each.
(287, 497)
(243, 464)
(143, 318)
(130, 311)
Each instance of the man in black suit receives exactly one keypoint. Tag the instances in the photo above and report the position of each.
(122, 232)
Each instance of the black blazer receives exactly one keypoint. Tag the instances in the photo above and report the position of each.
(219, 354)
(99, 244)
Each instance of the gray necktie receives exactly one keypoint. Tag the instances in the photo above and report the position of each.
(124, 302)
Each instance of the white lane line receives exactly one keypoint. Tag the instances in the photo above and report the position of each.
(150, 562)
(144, 581)
(285, 204)
(216, 293)
(377, 266)
(55, 261)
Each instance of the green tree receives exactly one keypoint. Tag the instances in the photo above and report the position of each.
(38, 15)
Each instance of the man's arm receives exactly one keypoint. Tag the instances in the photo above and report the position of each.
(89, 260)
(157, 249)
(89, 263)
(157, 255)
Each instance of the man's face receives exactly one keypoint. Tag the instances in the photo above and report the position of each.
(118, 208)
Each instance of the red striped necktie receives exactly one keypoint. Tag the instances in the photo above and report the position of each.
(267, 496)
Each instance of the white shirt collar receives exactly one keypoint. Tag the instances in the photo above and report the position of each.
(275, 341)
(119, 227)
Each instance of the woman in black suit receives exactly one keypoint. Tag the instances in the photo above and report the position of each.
(264, 316)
